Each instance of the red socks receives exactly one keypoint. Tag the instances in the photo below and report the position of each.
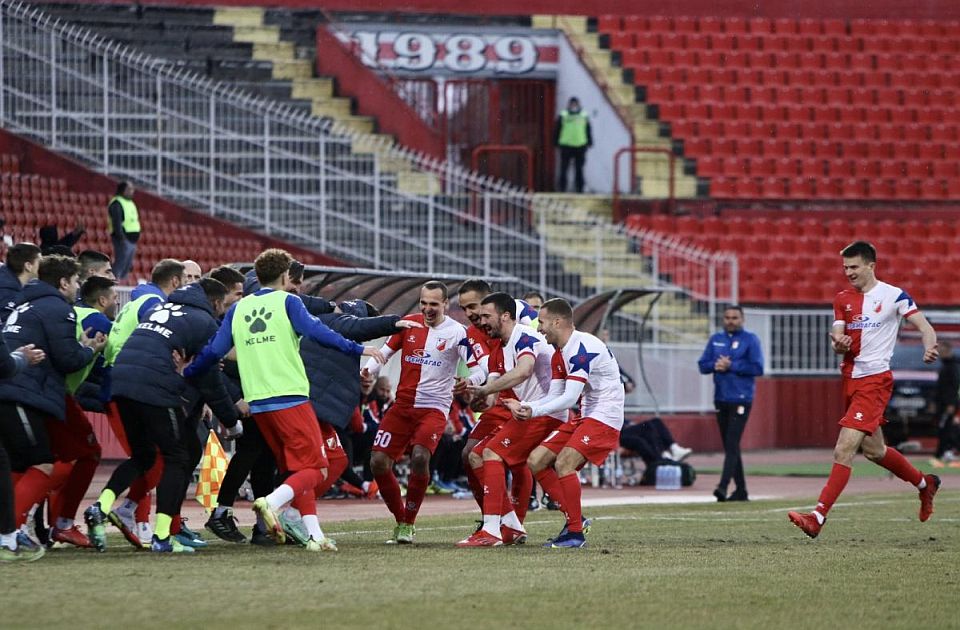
(550, 483)
(571, 504)
(476, 486)
(61, 472)
(520, 489)
(76, 486)
(900, 466)
(175, 525)
(839, 476)
(304, 481)
(337, 466)
(494, 487)
(305, 503)
(390, 491)
(31, 489)
(416, 490)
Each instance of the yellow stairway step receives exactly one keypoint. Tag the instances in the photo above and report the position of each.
(274, 51)
(299, 69)
(238, 16)
(256, 34)
(312, 88)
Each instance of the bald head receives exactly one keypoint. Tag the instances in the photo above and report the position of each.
(191, 271)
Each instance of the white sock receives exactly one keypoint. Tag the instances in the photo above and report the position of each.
(280, 497)
(64, 523)
(9, 540)
(365, 486)
(127, 507)
(511, 521)
(491, 524)
(312, 523)
(922, 484)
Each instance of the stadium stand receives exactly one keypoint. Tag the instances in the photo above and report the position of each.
(32, 197)
(801, 109)
(771, 248)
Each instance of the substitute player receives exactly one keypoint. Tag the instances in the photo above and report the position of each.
(429, 358)
(520, 368)
(867, 321)
(586, 367)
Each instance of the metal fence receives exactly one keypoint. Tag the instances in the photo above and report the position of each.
(357, 197)
(794, 341)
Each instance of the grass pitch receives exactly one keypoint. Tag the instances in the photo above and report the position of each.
(694, 566)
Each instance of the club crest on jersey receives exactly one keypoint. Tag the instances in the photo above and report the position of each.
(505, 441)
(441, 345)
(735, 345)
(877, 307)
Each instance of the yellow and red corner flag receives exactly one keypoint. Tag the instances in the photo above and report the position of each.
(213, 467)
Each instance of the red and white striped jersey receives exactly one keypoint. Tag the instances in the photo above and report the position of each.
(429, 358)
(587, 359)
(872, 319)
(525, 341)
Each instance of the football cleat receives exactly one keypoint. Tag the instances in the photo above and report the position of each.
(225, 527)
(807, 522)
(406, 534)
(294, 528)
(127, 526)
(170, 544)
(926, 496)
(96, 532)
(273, 528)
(324, 544)
(481, 538)
(572, 540)
(72, 536)
(511, 536)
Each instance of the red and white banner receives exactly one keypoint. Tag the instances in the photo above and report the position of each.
(471, 51)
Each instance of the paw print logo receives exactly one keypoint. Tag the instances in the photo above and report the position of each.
(258, 320)
(15, 315)
(163, 314)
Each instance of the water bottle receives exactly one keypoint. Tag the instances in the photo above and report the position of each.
(668, 477)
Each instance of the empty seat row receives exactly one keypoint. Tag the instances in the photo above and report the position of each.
(737, 166)
(686, 71)
(834, 188)
(776, 112)
(780, 43)
(864, 62)
(780, 26)
(812, 96)
(780, 131)
(773, 149)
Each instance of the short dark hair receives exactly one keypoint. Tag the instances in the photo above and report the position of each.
(20, 254)
(226, 275)
(213, 288)
(94, 287)
(296, 270)
(372, 311)
(502, 303)
(433, 285)
(863, 249)
(533, 294)
(733, 307)
(122, 187)
(90, 258)
(166, 270)
(271, 264)
(475, 284)
(558, 307)
(54, 268)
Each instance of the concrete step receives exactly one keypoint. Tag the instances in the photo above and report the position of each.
(256, 34)
(418, 183)
(332, 107)
(297, 69)
(274, 51)
(321, 87)
(238, 16)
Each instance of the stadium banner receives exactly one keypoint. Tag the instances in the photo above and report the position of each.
(470, 51)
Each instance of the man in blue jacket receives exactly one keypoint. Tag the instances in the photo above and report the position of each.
(32, 403)
(23, 261)
(735, 359)
(148, 389)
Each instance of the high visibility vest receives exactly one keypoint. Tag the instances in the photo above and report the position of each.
(75, 379)
(573, 129)
(268, 348)
(131, 217)
(124, 325)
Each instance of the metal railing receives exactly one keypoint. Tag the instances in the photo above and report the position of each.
(271, 168)
(794, 341)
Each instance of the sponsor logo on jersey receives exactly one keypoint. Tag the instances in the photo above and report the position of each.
(420, 352)
(421, 357)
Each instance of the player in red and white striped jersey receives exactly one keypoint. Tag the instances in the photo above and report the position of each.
(416, 421)
(471, 294)
(867, 321)
(584, 369)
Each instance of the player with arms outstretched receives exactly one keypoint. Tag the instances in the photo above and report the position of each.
(867, 321)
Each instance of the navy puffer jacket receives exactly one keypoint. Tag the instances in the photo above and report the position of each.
(45, 319)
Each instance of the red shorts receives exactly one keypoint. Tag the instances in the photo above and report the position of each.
(116, 424)
(293, 435)
(559, 438)
(404, 427)
(331, 442)
(517, 438)
(490, 422)
(866, 399)
(73, 438)
(591, 438)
